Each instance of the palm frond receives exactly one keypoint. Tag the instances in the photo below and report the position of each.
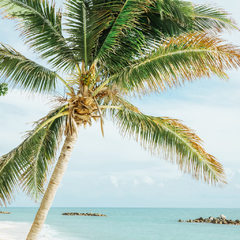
(167, 18)
(170, 138)
(122, 23)
(27, 165)
(84, 24)
(212, 19)
(24, 73)
(3, 89)
(77, 23)
(40, 24)
(177, 60)
(154, 20)
(164, 18)
(174, 17)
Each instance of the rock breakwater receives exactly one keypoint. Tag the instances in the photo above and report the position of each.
(218, 220)
(84, 214)
(4, 212)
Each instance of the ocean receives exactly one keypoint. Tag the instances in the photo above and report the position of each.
(130, 223)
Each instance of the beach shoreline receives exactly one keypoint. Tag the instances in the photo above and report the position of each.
(18, 231)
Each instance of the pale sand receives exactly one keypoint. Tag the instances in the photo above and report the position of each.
(19, 231)
(14, 231)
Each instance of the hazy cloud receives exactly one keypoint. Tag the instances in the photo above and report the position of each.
(149, 180)
(114, 181)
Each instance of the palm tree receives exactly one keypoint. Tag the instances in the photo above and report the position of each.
(105, 53)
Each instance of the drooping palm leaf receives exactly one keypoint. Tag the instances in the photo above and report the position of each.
(159, 18)
(40, 24)
(170, 138)
(176, 60)
(209, 18)
(173, 17)
(27, 165)
(168, 18)
(24, 73)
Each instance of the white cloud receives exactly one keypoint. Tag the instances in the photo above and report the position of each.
(161, 185)
(148, 180)
(230, 173)
(114, 181)
(135, 182)
(237, 186)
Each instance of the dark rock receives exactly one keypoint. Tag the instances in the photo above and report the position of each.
(4, 212)
(84, 214)
(219, 220)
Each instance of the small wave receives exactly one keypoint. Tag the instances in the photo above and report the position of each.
(48, 233)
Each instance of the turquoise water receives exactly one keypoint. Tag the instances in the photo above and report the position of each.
(132, 223)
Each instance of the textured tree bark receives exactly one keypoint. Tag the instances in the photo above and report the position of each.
(54, 182)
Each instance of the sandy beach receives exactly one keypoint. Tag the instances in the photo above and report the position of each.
(13, 230)
(19, 230)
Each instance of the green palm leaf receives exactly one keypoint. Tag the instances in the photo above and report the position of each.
(3, 89)
(40, 24)
(78, 23)
(161, 18)
(173, 17)
(27, 165)
(178, 143)
(167, 18)
(177, 60)
(208, 18)
(124, 22)
(24, 73)
(85, 22)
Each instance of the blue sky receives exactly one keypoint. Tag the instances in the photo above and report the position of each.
(117, 172)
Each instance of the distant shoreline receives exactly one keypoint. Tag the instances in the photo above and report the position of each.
(138, 223)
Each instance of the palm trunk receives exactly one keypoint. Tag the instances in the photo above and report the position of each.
(55, 180)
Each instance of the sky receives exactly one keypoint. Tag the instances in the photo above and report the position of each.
(116, 172)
